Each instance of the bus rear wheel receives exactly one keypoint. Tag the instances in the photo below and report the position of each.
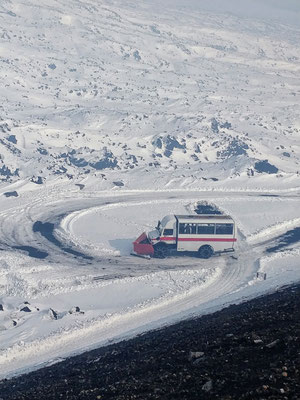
(205, 251)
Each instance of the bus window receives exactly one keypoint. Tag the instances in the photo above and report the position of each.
(224, 229)
(185, 228)
(182, 228)
(206, 229)
(168, 232)
(194, 229)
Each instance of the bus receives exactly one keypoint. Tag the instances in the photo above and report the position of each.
(204, 235)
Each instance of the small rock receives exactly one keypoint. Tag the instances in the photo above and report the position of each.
(195, 354)
(38, 180)
(118, 183)
(25, 309)
(207, 387)
(258, 341)
(52, 314)
(11, 194)
(80, 185)
(272, 344)
(284, 374)
(75, 310)
(1, 307)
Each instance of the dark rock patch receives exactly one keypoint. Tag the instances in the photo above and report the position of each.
(118, 183)
(169, 143)
(136, 55)
(78, 162)
(265, 166)
(12, 139)
(11, 194)
(214, 125)
(52, 314)
(235, 148)
(25, 309)
(76, 310)
(4, 127)
(80, 185)
(158, 142)
(225, 125)
(172, 143)
(7, 172)
(107, 161)
(42, 151)
(39, 180)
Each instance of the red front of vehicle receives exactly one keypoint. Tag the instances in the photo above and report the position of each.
(143, 246)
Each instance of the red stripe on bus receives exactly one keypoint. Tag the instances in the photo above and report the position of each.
(198, 239)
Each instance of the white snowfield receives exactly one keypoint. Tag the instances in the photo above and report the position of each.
(114, 114)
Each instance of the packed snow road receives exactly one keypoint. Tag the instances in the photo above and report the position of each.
(68, 282)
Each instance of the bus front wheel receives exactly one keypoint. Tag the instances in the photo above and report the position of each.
(161, 250)
(205, 251)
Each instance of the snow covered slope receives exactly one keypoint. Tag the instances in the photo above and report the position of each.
(90, 87)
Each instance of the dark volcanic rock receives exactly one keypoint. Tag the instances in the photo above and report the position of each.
(118, 183)
(235, 148)
(52, 314)
(12, 139)
(244, 352)
(11, 194)
(107, 161)
(265, 166)
(215, 125)
(38, 180)
(7, 172)
(80, 185)
(171, 143)
(25, 309)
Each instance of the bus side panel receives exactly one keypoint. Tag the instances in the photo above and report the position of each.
(218, 243)
(194, 242)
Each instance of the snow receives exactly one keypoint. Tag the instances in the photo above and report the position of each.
(126, 114)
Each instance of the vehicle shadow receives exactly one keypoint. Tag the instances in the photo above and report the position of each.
(124, 246)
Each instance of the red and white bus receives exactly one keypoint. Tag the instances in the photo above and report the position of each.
(202, 234)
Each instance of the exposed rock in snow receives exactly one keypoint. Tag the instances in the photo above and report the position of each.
(11, 194)
(52, 314)
(265, 166)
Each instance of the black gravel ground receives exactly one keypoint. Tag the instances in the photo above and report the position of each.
(248, 351)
